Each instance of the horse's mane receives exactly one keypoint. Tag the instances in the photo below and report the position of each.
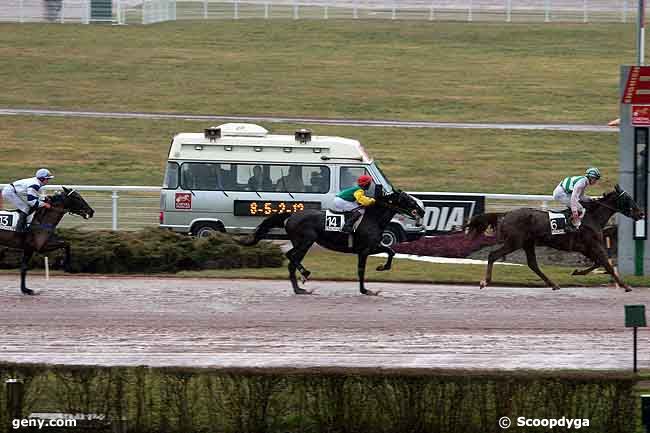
(592, 203)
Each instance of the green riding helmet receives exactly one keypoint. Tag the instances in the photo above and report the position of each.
(593, 173)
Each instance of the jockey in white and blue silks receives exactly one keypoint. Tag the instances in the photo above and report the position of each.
(24, 195)
(572, 189)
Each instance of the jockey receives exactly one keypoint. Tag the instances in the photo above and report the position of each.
(571, 190)
(24, 195)
(353, 200)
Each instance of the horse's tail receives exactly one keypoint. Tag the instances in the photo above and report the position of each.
(480, 223)
(274, 221)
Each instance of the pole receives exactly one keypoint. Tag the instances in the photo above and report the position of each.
(114, 198)
(640, 38)
(15, 392)
(635, 369)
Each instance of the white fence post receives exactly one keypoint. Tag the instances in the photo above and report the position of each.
(624, 12)
(21, 12)
(114, 198)
(585, 14)
(62, 13)
(547, 11)
(236, 10)
(205, 9)
(431, 12)
(355, 14)
(508, 11)
(266, 10)
(326, 13)
(469, 11)
(295, 11)
(394, 14)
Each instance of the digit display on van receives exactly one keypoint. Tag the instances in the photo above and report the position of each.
(271, 207)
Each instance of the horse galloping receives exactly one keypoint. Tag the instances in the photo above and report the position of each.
(525, 228)
(40, 238)
(308, 227)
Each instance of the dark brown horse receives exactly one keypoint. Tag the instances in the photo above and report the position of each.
(41, 237)
(525, 228)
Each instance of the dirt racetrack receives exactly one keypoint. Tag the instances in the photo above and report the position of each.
(253, 323)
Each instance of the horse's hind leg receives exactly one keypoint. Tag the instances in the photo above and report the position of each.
(532, 264)
(495, 255)
(27, 255)
(295, 256)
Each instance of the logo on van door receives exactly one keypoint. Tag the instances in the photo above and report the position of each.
(183, 200)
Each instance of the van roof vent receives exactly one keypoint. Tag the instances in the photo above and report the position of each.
(242, 130)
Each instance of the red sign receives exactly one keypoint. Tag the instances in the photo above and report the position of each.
(640, 114)
(183, 200)
(637, 88)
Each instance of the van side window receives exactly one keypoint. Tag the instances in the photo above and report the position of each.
(171, 176)
(349, 175)
(201, 176)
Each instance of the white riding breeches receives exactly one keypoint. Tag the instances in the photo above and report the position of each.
(10, 196)
(563, 197)
(344, 205)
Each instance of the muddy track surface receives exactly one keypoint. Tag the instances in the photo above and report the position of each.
(252, 323)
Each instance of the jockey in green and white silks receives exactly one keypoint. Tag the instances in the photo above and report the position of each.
(572, 189)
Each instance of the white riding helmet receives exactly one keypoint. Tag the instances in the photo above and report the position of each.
(44, 173)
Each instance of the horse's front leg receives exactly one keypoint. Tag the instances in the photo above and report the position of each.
(361, 271)
(27, 255)
(599, 256)
(585, 271)
(389, 262)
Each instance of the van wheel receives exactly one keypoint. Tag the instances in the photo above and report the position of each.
(391, 236)
(203, 230)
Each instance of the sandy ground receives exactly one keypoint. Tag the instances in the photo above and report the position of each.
(252, 323)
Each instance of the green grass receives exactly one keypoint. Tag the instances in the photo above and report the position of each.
(133, 152)
(359, 69)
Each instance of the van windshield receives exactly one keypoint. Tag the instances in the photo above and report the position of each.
(388, 187)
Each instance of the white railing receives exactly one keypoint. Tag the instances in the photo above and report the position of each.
(446, 10)
(152, 11)
(136, 207)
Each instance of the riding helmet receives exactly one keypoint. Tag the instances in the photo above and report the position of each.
(364, 180)
(44, 173)
(593, 173)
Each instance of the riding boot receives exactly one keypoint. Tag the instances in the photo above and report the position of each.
(350, 219)
(569, 227)
(21, 225)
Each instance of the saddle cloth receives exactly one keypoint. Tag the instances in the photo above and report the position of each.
(8, 220)
(334, 221)
(557, 222)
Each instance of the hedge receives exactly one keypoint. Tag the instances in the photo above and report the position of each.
(151, 250)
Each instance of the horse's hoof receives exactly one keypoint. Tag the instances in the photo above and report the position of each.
(482, 284)
(556, 287)
(302, 291)
(575, 272)
(628, 288)
(27, 291)
(372, 293)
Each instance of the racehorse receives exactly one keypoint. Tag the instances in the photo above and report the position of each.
(41, 237)
(307, 227)
(525, 228)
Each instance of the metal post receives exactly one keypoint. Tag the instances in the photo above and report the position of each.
(114, 198)
(585, 15)
(355, 13)
(295, 11)
(326, 13)
(236, 9)
(509, 11)
(469, 11)
(547, 11)
(431, 12)
(635, 369)
(640, 38)
(394, 14)
(266, 10)
(205, 9)
(22, 14)
(15, 394)
(62, 12)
